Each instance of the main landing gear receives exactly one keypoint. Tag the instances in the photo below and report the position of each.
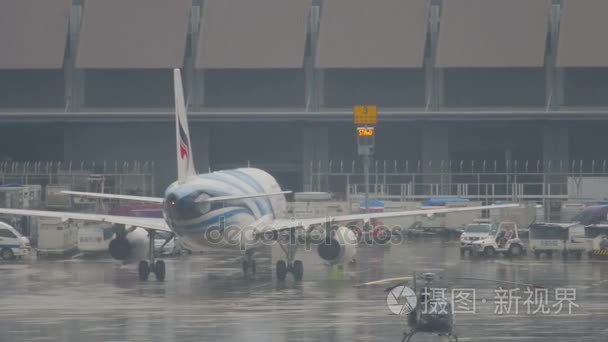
(151, 265)
(296, 267)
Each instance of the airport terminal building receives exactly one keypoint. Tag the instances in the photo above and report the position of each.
(513, 87)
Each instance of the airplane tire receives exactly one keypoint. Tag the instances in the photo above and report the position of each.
(144, 270)
(281, 270)
(298, 270)
(160, 270)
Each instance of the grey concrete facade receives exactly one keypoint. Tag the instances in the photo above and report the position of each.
(134, 142)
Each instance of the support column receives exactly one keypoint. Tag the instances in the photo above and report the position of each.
(433, 81)
(74, 77)
(554, 76)
(315, 157)
(310, 73)
(434, 151)
(315, 81)
(194, 77)
(556, 155)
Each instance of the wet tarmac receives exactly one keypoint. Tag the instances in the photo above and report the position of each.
(206, 298)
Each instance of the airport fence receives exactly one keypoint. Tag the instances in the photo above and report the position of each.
(480, 180)
(123, 177)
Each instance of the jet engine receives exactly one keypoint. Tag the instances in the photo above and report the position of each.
(130, 247)
(339, 246)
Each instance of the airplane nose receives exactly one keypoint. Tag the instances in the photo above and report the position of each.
(172, 200)
(183, 207)
(171, 205)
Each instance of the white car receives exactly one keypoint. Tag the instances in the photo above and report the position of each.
(12, 243)
(474, 232)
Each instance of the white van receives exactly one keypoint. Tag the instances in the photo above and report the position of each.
(12, 243)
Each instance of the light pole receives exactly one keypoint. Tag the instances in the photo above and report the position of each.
(366, 117)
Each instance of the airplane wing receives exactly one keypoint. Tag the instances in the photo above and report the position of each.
(204, 198)
(114, 196)
(158, 224)
(283, 224)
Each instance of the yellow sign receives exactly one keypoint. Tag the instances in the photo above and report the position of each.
(366, 131)
(366, 115)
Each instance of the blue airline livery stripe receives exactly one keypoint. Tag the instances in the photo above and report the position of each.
(215, 220)
(245, 177)
(217, 177)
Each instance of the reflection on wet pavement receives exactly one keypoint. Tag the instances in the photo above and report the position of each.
(206, 298)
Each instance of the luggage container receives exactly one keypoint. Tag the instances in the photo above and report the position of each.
(56, 238)
(549, 238)
(19, 196)
(95, 238)
(570, 210)
(55, 199)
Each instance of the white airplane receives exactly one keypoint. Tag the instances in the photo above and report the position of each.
(240, 208)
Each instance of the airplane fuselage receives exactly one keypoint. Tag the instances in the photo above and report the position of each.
(221, 224)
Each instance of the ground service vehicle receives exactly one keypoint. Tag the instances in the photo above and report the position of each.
(597, 239)
(503, 240)
(474, 232)
(549, 238)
